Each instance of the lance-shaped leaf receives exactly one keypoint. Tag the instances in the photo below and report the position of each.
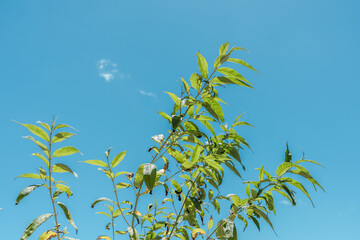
(310, 161)
(65, 189)
(305, 173)
(60, 168)
(65, 151)
(175, 98)
(230, 80)
(42, 146)
(297, 185)
(61, 125)
(232, 167)
(149, 173)
(101, 200)
(283, 168)
(122, 185)
(67, 214)
(104, 237)
(264, 216)
(203, 66)
(61, 136)
(38, 131)
(242, 62)
(223, 48)
(166, 116)
(44, 125)
(232, 73)
(26, 191)
(29, 175)
(214, 108)
(117, 159)
(47, 235)
(34, 225)
(96, 163)
(186, 85)
(39, 155)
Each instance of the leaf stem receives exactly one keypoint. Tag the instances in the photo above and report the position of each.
(50, 187)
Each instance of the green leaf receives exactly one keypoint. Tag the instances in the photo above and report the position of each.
(101, 200)
(310, 161)
(223, 48)
(65, 189)
(241, 123)
(39, 155)
(175, 98)
(67, 214)
(26, 191)
(213, 164)
(149, 174)
(139, 176)
(242, 62)
(176, 186)
(203, 66)
(230, 80)
(38, 131)
(196, 153)
(232, 167)
(203, 118)
(297, 185)
(195, 81)
(117, 159)
(44, 125)
(283, 168)
(61, 168)
(121, 173)
(264, 216)
(34, 225)
(186, 85)
(232, 73)
(61, 136)
(96, 163)
(63, 126)
(209, 127)
(29, 175)
(305, 173)
(122, 185)
(65, 151)
(42, 146)
(164, 115)
(217, 111)
(247, 190)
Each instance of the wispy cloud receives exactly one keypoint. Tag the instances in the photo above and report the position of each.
(109, 70)
(285, 202)
(149, 94)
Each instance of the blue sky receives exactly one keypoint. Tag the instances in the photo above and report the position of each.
(102, 67)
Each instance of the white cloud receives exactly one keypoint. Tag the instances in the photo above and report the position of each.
(109, 70)
(149, 94)
(285, 202)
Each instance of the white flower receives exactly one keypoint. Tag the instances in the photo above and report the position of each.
(158, 138)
